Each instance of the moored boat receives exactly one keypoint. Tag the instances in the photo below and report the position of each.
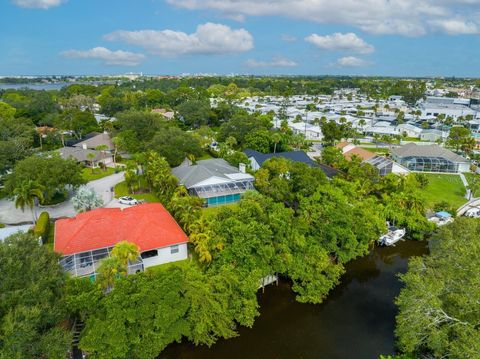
(393, 235)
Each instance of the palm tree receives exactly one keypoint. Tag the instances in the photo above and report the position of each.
(107, 272)
(102, 149)
(276, 138)
(91, 156)
(474, 186)
(26, 194)
(125, 252)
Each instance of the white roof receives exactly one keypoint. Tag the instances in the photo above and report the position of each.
(238, 176)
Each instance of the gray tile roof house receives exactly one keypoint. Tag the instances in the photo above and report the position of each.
(257, 159)
(79, 154)
(95, 141)
(429, 158)
(215, 180)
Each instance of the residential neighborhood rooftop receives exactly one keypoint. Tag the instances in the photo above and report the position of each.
(191, 175)
(95, 141)
(296, 156)
(414, 150)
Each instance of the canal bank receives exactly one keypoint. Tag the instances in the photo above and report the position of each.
(357, 320)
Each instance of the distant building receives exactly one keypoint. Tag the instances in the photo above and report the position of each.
(98, 139)
(432, 135)
(383, 164)
(430, 158)
(214, 180)
(82, 155)
(257, 159)
(410, 130)
(169, 115)
(83, 241)
(83, 150)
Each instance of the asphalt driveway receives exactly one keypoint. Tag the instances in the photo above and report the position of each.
(11, 215)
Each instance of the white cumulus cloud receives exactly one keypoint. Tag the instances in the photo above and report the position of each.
(351, 61)
(109, 57)
(37, 4)
(341, 42)
(208, 39)
(275, 62)
(404, 17)
(455, 26)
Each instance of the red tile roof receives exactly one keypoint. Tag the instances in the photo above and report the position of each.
(359, 152)
(149, 226)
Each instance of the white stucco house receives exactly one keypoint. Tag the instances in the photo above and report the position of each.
(83, 241)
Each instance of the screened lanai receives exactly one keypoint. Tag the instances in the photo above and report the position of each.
(218, 189)
(383, 164)
(87, 263)
(429, 164)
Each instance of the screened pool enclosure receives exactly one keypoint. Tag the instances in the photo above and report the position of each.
(222, 193)
(430, 164)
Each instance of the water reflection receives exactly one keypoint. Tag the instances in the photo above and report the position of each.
(356, 321)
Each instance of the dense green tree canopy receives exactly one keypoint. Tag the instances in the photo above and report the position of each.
(460, 138)
(175, 145)
(48, 170)
(439, 311)
(32, 307)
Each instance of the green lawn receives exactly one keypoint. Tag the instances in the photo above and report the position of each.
(97, 173)
(443, 187)
(380, 150)
(121, 190)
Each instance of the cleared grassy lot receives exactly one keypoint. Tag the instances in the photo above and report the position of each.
(444, 187)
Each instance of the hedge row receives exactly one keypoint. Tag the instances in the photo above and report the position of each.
(42, 226)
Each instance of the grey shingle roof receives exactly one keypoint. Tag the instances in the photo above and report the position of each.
(78, 154)
(189, 176)
(296, 156)
(414, 150)
(93, 142)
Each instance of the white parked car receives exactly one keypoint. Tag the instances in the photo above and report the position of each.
(128, 200)
(473, 212)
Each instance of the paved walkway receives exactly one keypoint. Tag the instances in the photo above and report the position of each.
(11, 215)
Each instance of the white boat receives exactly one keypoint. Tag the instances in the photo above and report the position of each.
(393, 235)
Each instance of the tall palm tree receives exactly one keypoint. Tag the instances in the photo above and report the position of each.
(276, 138)
(26, 194)
(107, 272)
(103, 149)
(125, 252)
(91, 157)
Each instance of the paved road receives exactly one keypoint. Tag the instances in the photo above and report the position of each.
(11, 215)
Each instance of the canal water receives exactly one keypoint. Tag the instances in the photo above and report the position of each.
(357, 320)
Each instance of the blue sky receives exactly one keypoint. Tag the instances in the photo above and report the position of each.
(312, 37)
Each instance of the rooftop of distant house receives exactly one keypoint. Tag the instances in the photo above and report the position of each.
(190, 175)
(414, 150)
(349, 150)
(96, 139)
(296, 156)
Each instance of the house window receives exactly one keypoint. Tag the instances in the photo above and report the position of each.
(149, 254)
(174, 249)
